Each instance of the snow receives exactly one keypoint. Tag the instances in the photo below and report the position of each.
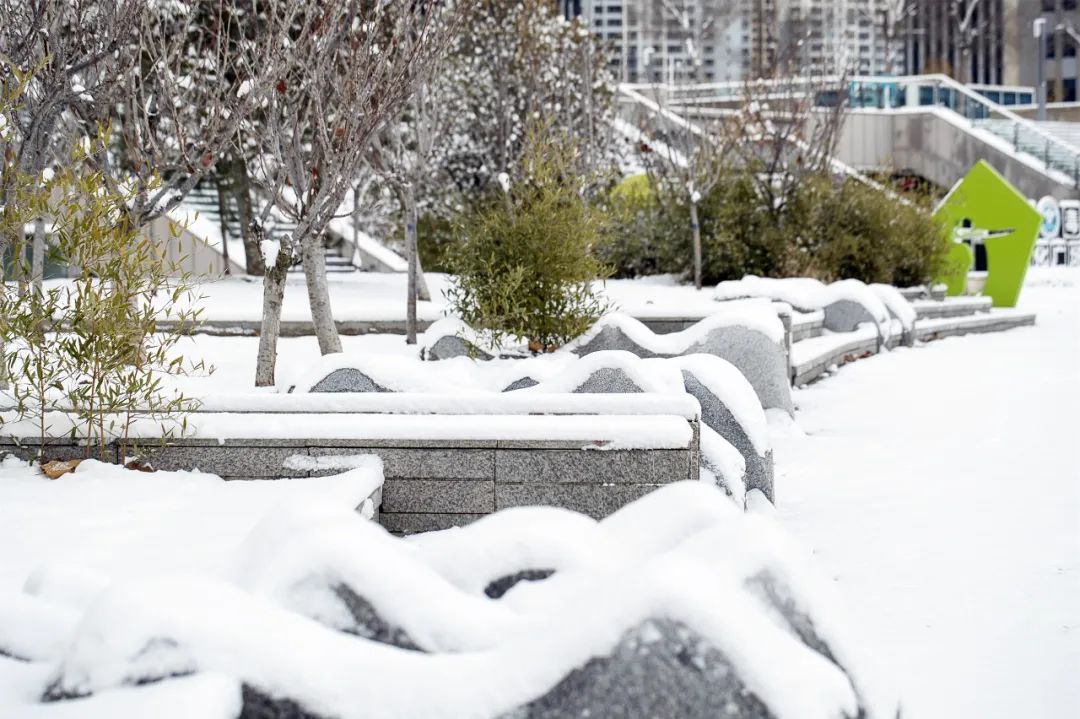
(808, 295)
(674, 343)
(940, 487)
(270, 249)
(113, 523)
(457, 403)
(205, 695)
(830, 343)
(721, 464)
(859, 293)
(258, 621)
(802, 293)
(898, 306)
(380, 296)
(614, 432)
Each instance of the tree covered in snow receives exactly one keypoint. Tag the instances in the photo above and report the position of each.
(353, 66)
(60, 61)
(520, 60)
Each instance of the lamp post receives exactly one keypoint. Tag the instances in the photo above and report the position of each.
(1039, 28)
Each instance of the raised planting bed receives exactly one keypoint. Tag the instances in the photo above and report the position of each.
(735, 448)
(446, 461)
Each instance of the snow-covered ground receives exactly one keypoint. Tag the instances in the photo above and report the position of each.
(380, 296)
(940, 486)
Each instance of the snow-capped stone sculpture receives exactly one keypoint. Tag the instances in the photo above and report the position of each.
(449, 338)
(751, 340)
(734, 442)
(718, 614)
(846, 304)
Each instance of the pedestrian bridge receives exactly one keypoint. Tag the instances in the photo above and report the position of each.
(927, 125)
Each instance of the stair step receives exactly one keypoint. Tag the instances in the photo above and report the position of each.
(812, 358)
(982, 323)
(951, 307)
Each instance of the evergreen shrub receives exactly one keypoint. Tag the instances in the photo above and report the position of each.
(524, 261)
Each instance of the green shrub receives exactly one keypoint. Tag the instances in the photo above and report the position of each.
(436, 242)
(92, 345)
(639, 241)
(830, 228)
(524, 261)
(862, 233)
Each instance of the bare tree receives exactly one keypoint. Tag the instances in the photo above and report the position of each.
(205, 69)
(686, 160)
(354, 64)
(784, 132)
(518, 61)
(72, 52)
(700, 23)
(402, 156)
(965, 20)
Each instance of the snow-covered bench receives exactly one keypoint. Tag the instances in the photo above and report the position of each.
(677, 605)
(844, 305)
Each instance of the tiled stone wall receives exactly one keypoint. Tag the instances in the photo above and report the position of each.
(438, 484)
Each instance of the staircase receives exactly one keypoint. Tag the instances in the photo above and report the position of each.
(927, 125)
(816, 352)
(206, 201)
(1056, 147)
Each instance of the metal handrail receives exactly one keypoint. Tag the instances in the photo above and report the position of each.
(632, 93)
(944, 80)
(1024, 131)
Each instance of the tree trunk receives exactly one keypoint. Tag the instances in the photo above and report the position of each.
(273, 296)
(241, 187)
(696, 227)
(322, 316)
(19, 269)
(410, 256)
(423, 293)
(223, 223)
(37, 266)
(5, 243)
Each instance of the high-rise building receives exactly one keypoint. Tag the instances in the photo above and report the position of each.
(671, 41)
(1023, 51)
(964, 39)
(718, 40)
(976, 41)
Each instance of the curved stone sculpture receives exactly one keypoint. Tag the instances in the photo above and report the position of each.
(718, 416)
(450, 346)
(754, 348)
(348, 379)
(449, 338)
(846, 303)
(717, 614)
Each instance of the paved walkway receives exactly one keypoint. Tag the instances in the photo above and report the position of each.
(941, 488)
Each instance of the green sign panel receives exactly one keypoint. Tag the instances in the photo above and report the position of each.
(987, 209)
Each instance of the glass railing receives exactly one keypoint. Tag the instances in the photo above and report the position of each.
(984, 106)
(975, 104)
